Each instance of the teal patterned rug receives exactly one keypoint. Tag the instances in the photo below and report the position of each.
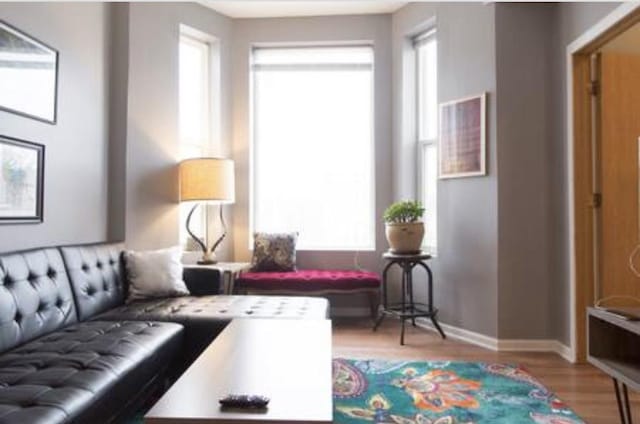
(439, 392)
(442, 392)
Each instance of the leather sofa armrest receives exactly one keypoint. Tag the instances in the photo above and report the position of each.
(202, 281)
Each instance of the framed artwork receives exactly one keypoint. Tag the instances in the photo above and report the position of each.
(28, 75)
(462, 141)
(21, 181)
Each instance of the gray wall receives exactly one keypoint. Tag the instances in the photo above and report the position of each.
(466, 269)
(110, 163)
(531, 42)
(151, 209)
(572, 20)
(118, 102)
(110, 160)
(374, 28)
(76, 168)
(503, 238)
(576, 18)
(526, 279)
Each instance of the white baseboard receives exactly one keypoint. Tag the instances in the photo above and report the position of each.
(536, 345)
(502, 345)
(487, 342)
(461, 334)
(565, 352)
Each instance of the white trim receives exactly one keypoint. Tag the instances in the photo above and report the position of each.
(566, 352)
(424, 37)
(461, 334)
(305, 44)
(571, 206)
(502, 345)
(602, 26)
(536, 345)
(196, 34)
(579, 43)
(418, 41)
(477, 339)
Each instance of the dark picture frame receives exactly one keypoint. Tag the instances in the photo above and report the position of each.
(21, 181)
(462, 139)
(28, 64)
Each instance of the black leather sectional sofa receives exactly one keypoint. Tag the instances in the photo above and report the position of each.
(71, 350)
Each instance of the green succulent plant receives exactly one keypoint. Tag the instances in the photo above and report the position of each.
(404, 212)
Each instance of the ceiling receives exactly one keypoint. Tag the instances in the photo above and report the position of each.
(276, 9)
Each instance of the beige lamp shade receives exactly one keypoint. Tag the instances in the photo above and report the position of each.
(207, 179)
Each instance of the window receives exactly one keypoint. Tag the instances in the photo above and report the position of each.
(313, 145)
(194, 102)
(194, 99)
(427, 131)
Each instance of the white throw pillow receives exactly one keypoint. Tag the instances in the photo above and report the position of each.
(155, 273)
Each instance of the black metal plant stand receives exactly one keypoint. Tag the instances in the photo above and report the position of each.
(407, 309)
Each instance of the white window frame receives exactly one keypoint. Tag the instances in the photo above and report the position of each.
(423, 143)
(204, 47)
(252, 150)
(211, 144)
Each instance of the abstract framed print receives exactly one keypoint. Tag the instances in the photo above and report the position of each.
(462, 141)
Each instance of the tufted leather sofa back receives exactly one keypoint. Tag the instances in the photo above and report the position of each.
(96, 276)
(35, 296)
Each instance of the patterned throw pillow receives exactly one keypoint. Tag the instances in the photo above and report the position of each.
(274, 252)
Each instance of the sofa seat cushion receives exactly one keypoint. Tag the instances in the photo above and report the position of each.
(205, 317)
(221, 308)
(83, 372)
(310, 281)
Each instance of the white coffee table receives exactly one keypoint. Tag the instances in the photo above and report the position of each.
(287, 360)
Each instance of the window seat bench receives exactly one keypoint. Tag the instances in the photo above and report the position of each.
(312, 282)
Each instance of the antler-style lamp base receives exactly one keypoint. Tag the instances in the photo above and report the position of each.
(208, 254)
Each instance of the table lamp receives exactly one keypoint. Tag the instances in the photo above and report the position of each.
(207, 180)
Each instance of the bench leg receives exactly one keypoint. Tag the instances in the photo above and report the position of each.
(374, 304)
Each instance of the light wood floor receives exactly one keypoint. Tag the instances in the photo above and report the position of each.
(584, 388)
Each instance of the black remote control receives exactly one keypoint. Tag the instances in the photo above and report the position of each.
(244, 401)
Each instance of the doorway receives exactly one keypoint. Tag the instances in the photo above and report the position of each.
(617, 98)
(606, 177)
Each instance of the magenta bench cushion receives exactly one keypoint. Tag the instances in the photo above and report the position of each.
(312, 280)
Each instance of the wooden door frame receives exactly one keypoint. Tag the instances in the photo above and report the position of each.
(579, 166)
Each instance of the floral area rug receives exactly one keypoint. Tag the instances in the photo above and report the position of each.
(442, 392)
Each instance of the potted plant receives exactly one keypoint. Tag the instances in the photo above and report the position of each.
(404, 227)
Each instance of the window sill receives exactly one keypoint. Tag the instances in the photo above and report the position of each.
(335, 249)
(431, 251)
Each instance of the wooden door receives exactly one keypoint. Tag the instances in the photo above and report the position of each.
(619, 160)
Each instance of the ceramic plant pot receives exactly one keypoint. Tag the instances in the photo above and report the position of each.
(405, 237)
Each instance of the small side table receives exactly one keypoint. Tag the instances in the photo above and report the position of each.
(407, 308)
(229, 271)
(612, 346)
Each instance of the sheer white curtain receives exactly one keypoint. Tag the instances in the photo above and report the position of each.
(313, 145)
